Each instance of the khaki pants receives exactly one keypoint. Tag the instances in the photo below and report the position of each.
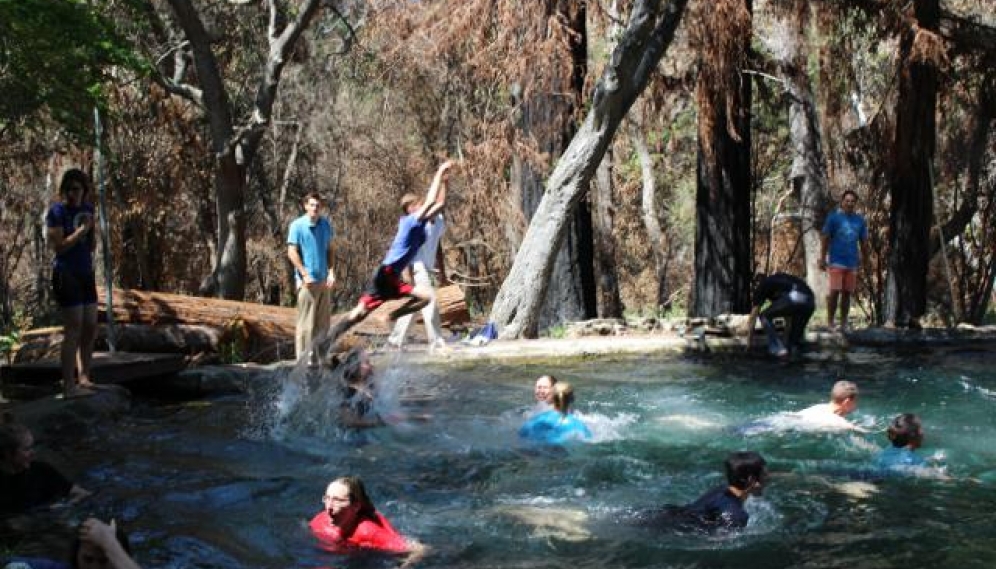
(314, 310)
(430, 313)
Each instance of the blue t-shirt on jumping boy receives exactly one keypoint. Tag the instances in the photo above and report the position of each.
(844, 231)
(408, 240)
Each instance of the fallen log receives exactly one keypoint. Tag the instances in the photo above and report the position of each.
(260, 332)
(189, 339)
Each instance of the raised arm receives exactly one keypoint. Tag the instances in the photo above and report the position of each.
(435, 199)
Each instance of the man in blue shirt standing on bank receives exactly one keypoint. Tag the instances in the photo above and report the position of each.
(843, 231)
(309, 248)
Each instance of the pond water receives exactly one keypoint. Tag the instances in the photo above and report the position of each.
(232, 482)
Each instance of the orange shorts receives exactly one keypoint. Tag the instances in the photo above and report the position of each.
(844, 280)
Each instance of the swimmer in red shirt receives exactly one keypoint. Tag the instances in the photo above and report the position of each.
(351, 521)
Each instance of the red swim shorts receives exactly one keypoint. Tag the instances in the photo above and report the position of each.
(385, 285)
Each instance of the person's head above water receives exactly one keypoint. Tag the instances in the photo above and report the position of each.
(16, 445)
(746, 472)
(844, 397)
(563, 396)
(347, 502)
(906, 431)
(544, 388)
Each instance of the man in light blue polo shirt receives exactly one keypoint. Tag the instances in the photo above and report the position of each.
(309, 248)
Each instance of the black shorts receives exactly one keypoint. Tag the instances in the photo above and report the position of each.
(74, 289)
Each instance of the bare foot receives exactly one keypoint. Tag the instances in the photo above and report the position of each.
(78, 391)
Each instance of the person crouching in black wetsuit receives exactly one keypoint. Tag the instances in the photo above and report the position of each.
(719, 509)
(789, 297)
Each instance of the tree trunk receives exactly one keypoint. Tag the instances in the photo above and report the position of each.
(609, 300)
(549, 119)
(234, 148)
(912, 207)
(809, 172)
(723, 252)
(648, 209)
(648, 34)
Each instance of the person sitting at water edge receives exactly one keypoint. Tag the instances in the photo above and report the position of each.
(557, 425)
(350, 521)
(96, 546)
(789, 297)
(906, 435)
(543, 392)
(719, 509)
(843, 402)
(28, 483)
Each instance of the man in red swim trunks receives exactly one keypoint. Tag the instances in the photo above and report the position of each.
(386, 283)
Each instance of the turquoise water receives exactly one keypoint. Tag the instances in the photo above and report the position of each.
(232, 482)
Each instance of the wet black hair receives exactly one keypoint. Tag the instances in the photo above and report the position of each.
(743, 468)
(905, 429)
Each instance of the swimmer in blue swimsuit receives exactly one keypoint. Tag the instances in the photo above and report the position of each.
(720, 509)
(557, 425)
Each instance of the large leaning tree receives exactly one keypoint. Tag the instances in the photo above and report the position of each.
(649, 32)
(235, 136)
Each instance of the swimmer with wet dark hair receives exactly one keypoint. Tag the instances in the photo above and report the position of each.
(719, 509)
(906, 434)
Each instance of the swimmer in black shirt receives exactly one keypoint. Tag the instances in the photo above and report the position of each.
(719, 509)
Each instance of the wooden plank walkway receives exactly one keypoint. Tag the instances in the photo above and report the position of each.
(117, 367)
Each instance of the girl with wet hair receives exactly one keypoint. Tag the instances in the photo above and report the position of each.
(558, 425)
(351, 522)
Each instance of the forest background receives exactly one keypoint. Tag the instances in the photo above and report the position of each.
(616, 157)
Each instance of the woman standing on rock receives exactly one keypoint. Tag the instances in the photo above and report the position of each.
(71, 231)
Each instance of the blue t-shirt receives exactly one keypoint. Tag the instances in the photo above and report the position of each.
(898, 459)
(553, 427)
(408, 240)
(312, 243)
(78, 258)
(844, 231)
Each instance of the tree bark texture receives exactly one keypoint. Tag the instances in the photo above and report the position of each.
(809, 171)
(609, 300)
(649, 32)
(723, 252)
(912, 204)
(648, 210)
